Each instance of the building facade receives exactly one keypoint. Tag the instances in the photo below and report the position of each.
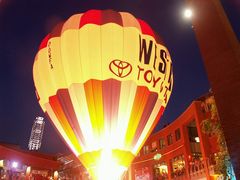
(180, 150)
(71, 168)
(36, 134)
(219, 47)
(16, 163)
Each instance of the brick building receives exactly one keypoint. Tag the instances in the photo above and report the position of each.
(16, 163)
(180, 150)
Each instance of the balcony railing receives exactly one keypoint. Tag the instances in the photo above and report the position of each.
(197, 169)
(179, 174)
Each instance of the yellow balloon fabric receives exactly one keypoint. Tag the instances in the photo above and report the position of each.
(104, 78)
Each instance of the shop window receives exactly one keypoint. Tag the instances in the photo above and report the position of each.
(178, 166)
(169, 139)
(162, 143)
(161, 171)
(177, 134)
(142, 173)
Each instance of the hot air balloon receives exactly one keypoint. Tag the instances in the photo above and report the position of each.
(104, 79)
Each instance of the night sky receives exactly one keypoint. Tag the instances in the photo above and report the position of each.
(24, 23)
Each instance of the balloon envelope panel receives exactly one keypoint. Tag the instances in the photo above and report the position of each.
(104, 79)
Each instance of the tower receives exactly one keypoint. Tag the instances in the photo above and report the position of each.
(36, 134)
(220, 50)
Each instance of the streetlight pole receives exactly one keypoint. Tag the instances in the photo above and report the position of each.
(220, 50)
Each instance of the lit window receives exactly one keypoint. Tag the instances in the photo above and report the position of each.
(169, 139)
(177, 134)
(145, 149)
(154, 146)
(162, 143)
(178, 166)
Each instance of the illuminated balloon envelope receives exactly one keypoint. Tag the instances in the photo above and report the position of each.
(104, 79)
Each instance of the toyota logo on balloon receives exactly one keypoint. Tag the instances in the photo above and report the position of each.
(120, 68)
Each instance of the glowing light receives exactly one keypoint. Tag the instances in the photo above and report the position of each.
(1, 163)
(188, 13)
(163, 168)
(157, 156)
(28, 170)
(197, 139)
(108, 168)
(14, 164)
(55, 174)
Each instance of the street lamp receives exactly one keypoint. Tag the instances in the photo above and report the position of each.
(28, 173)
(55, 175)
(157, 156)
(14, 164)
(188, 13)
(197, 139)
